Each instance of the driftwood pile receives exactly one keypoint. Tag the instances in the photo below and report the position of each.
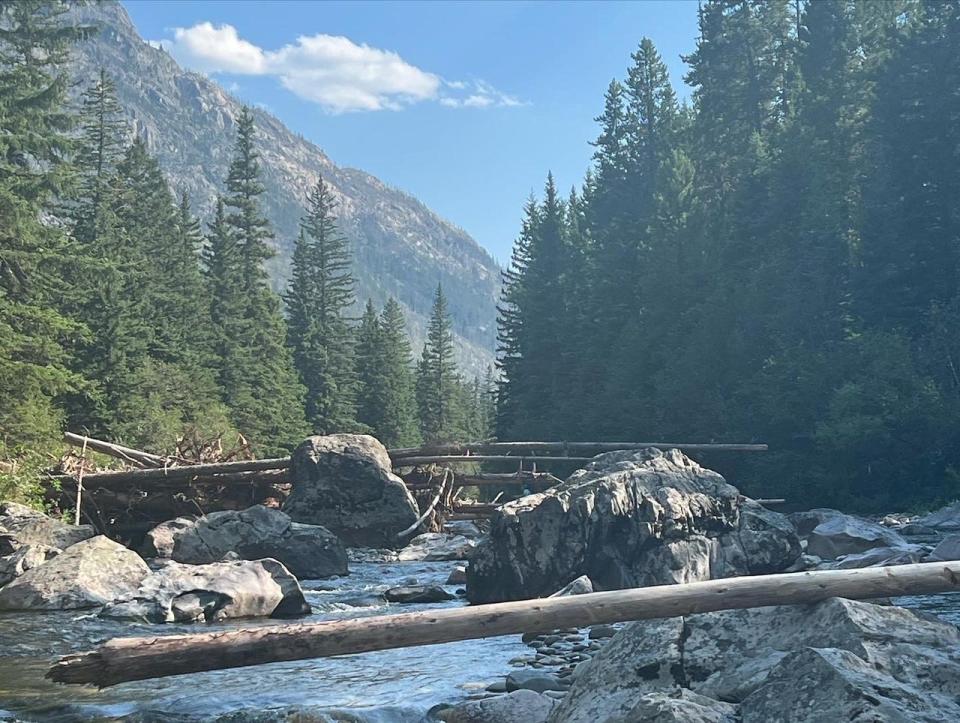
(201, 478)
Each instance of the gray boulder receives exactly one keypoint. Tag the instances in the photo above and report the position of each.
(579, 586)
(308, 551)
(21, 525)
(345, 483)
(628, 519)
(217, 591)
(677, 706)
(736, 656)
(87, 574)
(416, 594)
(521, 706)
(846, 535)
(434, 546)
(947, 549)
(25, 558)
(946, 519)
(806, 521)
(815, 685)
(880, 557)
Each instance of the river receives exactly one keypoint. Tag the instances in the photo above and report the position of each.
(392, 686)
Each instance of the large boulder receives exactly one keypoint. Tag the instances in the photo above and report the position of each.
(217, 591)
(799, 663)
(846, 535)
(345, 483)
(87, 574)
(628, 519)
(308, 551)
(21, 525)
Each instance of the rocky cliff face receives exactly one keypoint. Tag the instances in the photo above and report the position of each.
(401, 248)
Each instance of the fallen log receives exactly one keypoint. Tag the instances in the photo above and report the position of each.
(564, 447)
(126, 659)
(186, 472)
(121, 481)
(457, 458)
(128, 454)
(533, 478)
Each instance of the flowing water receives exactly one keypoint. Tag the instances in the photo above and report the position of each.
(392, 686)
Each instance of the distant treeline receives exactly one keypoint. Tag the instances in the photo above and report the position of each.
(777, 261)
(124, 317)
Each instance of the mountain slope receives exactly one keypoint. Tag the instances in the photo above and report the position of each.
(400, 247)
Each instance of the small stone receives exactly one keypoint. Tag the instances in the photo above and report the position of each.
(535, 681)
(458, 576)
(598, 632)
(499, 687)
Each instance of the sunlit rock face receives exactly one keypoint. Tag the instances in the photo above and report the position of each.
(629, 519)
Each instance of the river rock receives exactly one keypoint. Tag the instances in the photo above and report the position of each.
(535, 680)
(739, 656)
(946, 519)
(947, 549)
(24, 558)
(466, 528)
(345, 483)
(20, 525)
(87, 574)
(806, 521)
(435, 546)
(881, 557)
(216, 591)
(579, 586)
(457, 576)
(628, 519)
(845, 535)
(308, 551)
(521, 706)
(417, 594)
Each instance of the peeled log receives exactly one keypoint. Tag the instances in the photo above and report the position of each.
(125, 659)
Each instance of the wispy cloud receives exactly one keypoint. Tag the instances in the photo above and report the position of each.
(330, 70)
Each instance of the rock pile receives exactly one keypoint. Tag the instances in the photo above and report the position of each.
(836, 660)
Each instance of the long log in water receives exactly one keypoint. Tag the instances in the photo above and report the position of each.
(125, 659)
(563, 447)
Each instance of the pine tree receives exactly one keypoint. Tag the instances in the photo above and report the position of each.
(101, 148)
(34, 143)
(258, 379)
(320, 293)
(386, 401)
(369, 349)
(438, 383)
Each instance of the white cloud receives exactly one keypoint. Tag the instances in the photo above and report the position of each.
(216, 49)
(332, 71)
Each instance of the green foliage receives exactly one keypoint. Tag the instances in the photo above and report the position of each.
(34, 141)
(439, 388)
(386, 400)
(258, 381)
(319, 295)
(778, 262)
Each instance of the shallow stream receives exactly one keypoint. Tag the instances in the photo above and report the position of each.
(392, 686)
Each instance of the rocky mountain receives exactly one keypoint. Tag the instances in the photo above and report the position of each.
(401, 248)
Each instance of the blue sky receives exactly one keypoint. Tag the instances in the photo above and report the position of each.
(465, 105)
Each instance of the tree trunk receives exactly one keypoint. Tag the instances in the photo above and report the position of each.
(125, 659)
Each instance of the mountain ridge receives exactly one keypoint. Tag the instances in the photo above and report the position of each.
(401, 248)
